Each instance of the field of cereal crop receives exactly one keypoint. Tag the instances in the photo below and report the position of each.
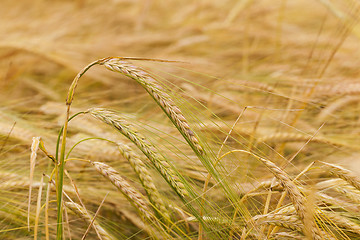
(149, 119)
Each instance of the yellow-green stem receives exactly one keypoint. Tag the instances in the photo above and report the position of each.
(60, 177)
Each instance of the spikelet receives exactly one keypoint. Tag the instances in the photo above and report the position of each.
(150, 84)
(112, 119)
(145, 178)
(120, 183)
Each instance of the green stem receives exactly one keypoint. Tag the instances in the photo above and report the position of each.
(60, 177)
(61, 161)
(60, 170)
(86, 139)
(60, 133)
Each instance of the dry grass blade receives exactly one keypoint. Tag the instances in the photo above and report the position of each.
(81, 212)
(158, 93)
(93, 219)
(47, 237)
(345, 174)
(34, 149)
(134, 196)
(38, 209)
(112, 119)
(145, 178)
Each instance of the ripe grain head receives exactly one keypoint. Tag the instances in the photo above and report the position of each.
(160, 163)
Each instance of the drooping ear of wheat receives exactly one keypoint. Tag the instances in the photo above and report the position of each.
(296, 197)
(145, 178)
(114, 120)
(134, 196)
(345, 174)
(148, 82)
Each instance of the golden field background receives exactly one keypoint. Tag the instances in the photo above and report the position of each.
(289, 69)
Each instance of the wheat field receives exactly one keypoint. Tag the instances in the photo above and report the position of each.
(149, 119)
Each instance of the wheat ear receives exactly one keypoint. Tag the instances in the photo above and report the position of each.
(120, 183)
(145, 178)
(287, 221)
(336, 218)
(81, 212)
(345, 174)
(147, 81)
(295, 137)
(112, 119)
(341, 221)
(295, 195)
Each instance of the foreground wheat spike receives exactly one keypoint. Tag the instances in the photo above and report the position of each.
(133, 195)
(336, 218)
(113, 119)
(345, 174)
(145, 178)
(343, 222)
(150, 84)
(81, 212)
(295, 195)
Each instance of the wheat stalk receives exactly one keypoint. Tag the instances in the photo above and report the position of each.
(112, 119)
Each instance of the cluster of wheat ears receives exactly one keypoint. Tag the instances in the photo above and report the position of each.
(313, 211)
